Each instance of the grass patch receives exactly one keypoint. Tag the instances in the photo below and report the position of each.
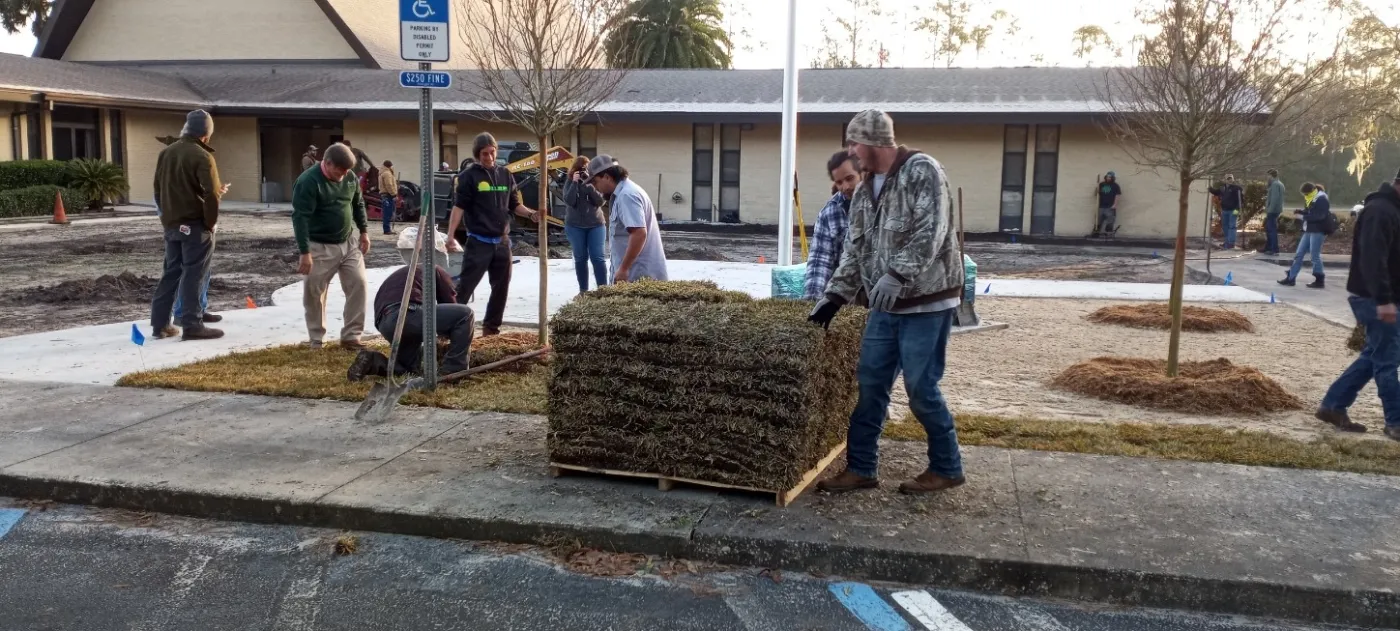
(1198, 443)
(299, 371)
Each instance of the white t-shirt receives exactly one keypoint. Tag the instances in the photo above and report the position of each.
(631, 208)
(879, 182)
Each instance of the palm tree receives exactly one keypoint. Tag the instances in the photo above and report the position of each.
(670, 34)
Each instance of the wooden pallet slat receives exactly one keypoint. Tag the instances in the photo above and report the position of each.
(666, 483)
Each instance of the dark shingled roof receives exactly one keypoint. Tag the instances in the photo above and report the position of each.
(84, 81)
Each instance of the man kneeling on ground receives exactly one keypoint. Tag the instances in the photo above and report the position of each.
(454, 321)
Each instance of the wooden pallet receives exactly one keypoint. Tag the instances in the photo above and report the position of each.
(666, 483)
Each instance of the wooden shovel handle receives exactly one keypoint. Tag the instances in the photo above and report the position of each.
(493, 365)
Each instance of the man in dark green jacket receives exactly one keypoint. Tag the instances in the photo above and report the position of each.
(187, 192)
(327, 207)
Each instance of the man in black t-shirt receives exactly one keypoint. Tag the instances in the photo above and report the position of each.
(1109, 194)
(486, 196)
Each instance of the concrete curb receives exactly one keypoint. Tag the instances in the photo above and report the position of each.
(1368, 608)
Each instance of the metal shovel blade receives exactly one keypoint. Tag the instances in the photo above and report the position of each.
(383, 397)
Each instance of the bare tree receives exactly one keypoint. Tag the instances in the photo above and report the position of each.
(1216, 88)
(955, 28)
(1371, 63)
(1091, 37)
(541, 65)
(851, 47)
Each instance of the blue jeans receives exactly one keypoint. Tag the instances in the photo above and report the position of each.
(1271, 230)
(387, 208)
(1378, 360)
(179, 309)
(1310, 244)
(588, 247)
(1229, 224)
(916, 343)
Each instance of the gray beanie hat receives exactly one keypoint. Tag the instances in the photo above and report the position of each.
(871, 128)
(198, 124)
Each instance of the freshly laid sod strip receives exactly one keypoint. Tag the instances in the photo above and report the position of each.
(1199, 443)
(298, 371)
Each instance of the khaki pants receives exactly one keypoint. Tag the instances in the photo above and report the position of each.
(327, 260)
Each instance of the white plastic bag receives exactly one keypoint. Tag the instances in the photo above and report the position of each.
(410, 234)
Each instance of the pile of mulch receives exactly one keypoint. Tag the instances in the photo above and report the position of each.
(1157, 315)
(1209, 387)
(684, 380)
(123, 287)
(1357, 340)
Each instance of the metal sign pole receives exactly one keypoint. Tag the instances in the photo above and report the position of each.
(428, 211)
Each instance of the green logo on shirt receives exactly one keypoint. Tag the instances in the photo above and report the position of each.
(486, 187)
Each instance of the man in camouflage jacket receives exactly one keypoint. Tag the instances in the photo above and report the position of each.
(901, 258)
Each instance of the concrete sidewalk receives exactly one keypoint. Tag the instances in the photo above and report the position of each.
(1303, 545)
(1262, 274)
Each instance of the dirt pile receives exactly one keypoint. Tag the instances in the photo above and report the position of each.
(699, 253)
(1357, 340)
(1158, 316)
(1209, 387)
(685, 380)
(123, 287)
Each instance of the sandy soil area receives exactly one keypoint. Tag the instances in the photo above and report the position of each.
(1006, 372)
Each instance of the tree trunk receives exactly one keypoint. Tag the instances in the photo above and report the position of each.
(544, 241)
(1183, 201)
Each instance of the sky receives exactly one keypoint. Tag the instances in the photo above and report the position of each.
(1045, 29)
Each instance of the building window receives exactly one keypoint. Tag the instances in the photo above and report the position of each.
(702, 169)
(35, 132)
(114, 118)
(447, 145)
(1013, 178)
(1047, 173)
(75, 132)
(729, 147)
(587, 140)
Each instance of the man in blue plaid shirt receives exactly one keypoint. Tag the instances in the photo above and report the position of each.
(830, 234)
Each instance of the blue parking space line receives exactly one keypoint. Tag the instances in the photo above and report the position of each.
(8, 518)
(868, 607)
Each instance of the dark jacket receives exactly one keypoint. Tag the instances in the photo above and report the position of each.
(1231, 196)
(487, 198)
(391, 290)
(1316, 214)
(585, 205)
(187, 184)
(1375, 248)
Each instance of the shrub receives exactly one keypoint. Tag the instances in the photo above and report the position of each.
(1255, 196)
(37, 201)
(27, 173)
(99, 180)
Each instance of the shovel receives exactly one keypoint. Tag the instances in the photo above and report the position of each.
(383, 396)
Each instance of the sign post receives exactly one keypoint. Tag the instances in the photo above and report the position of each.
(424, 37)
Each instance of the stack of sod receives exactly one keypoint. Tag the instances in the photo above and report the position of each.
(684, 380)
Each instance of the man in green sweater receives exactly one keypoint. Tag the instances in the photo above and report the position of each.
(327, 207)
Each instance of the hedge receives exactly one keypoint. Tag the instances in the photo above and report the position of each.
(26, 173)
(37, 201)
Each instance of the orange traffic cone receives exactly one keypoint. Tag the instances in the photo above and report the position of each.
(250, 303)
(59, 216)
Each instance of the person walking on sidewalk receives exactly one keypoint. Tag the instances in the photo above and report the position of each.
(829, 236)
(486, 196)
(1373, 283)
(1317, 219)
(388, 191)
(585, 226)
(327, 208)
(902, 254)
(455, 322)
(1231, 200)
(187, 191)
(637, 252)
(1273, 208)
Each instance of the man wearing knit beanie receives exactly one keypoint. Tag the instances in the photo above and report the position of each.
(908, 267)
(1374, 284)
(187, 192)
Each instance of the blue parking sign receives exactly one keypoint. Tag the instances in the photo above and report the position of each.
(424, 30)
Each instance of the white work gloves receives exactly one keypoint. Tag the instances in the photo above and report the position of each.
(885, 293)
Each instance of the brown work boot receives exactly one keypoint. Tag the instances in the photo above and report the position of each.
(210, 318)
(352, 345)
(202, 333)
(847, 481)
(930, 483)
(170, 330)
(1340, 420)
(485, 332)
(368, 364)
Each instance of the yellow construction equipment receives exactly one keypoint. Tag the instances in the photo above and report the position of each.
(801, 225)
(559, 158)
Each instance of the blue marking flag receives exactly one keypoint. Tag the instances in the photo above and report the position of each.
(8, 518)
(1154, 254)
(1271, 298)
(136, 337)
(1229, 277)
(988, 290)
(868, 607)
(1013, 238)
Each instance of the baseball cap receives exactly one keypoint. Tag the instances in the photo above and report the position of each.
(599, 164)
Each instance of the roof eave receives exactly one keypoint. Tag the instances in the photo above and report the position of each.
(61, 27)
(349, 34)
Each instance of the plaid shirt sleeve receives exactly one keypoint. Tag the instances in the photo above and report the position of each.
(826, 248)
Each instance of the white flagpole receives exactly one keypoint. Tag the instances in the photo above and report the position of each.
(789, 155)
